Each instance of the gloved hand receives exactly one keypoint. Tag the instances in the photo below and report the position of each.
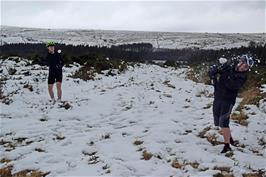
(213, 71)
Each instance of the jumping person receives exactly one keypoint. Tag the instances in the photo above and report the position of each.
(232, 78)
(55, 63)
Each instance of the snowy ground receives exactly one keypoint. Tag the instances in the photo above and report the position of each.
(107, 38)
(114, 120)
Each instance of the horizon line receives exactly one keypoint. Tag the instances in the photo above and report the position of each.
(127, 30)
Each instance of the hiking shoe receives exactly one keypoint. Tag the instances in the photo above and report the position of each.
(52, 101)
(226, 148)
(233, 143)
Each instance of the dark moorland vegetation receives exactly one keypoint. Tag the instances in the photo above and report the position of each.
(132, 52)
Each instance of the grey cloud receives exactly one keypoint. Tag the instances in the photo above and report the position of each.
(190, 16)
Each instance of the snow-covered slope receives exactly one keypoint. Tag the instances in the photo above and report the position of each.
(107, 38)
(113, 121)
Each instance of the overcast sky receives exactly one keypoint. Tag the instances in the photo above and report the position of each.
(176, 16)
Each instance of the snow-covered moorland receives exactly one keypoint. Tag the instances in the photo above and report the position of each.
(148, 121)
(172, 40)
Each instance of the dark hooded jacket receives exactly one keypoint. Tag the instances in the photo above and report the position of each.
(228, 84)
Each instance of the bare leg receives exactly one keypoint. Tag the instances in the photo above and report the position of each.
(50, 90)
(59, 90)
(226, 135)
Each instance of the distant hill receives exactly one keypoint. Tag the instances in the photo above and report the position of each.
(171, 40)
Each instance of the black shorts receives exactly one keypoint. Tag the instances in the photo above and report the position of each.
(55, 77)
(221, 113)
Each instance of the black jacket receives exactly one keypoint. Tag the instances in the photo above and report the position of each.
(228, 84)
(55, 62)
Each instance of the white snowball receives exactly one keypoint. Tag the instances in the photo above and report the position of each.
(222, 60)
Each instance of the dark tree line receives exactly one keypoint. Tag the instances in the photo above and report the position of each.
(131, 52)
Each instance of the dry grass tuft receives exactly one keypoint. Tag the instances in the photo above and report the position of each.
(5, 160)
(204, 131)
(240, 118)
(176, 164)
(251, 96)
(167, 83)
(7, 172)
(225, 172)
(198, 74)
(193, 164)
(93, 160)
(213, 139)
(209, 105)
(223, 169)
(138, 142)
(254, 174)
(223, 175)
(146, 155)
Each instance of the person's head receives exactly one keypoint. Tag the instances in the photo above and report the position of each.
(244, 64)
(50, 46)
